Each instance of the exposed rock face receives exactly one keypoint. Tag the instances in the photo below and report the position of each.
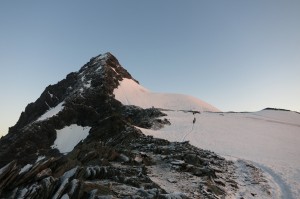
(87, 98)
(115, 160)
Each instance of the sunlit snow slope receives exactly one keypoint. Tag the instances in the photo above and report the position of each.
(131, 93)
(268, 138)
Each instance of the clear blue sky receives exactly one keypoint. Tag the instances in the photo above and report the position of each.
(236, 55)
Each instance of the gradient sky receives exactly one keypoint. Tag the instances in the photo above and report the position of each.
(235, 55)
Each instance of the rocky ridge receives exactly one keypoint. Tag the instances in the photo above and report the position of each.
(115, 160)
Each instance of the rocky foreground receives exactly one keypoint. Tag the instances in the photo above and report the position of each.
(127, 165)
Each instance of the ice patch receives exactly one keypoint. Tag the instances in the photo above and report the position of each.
(68, 137)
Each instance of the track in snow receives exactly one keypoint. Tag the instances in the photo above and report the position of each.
(267, 138)
(190, 130)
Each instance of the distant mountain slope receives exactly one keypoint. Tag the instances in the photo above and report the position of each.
(130, 92)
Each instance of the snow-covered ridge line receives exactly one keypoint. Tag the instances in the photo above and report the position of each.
(130, 92)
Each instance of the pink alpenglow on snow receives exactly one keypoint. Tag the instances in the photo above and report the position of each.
(130, 92)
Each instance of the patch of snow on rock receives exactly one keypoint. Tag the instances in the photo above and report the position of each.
(88, 84)
(52, 112)
(25, 168)
(103, 56)
(70, 173)
(98, 69)
(68, 137)
(115, 70)
(65, 196)
(40, 158)
(22, 193)
(51, 95)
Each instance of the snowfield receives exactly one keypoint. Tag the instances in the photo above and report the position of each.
(68, 137)
(269, 139)
(270, 143)
(131, 93)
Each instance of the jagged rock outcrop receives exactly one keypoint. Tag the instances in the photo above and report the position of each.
(115, 160)
(86, 96)
(126, 168)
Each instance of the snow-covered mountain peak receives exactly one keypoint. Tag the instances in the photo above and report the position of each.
(128, 91)
(103, 74)
(102, 56)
